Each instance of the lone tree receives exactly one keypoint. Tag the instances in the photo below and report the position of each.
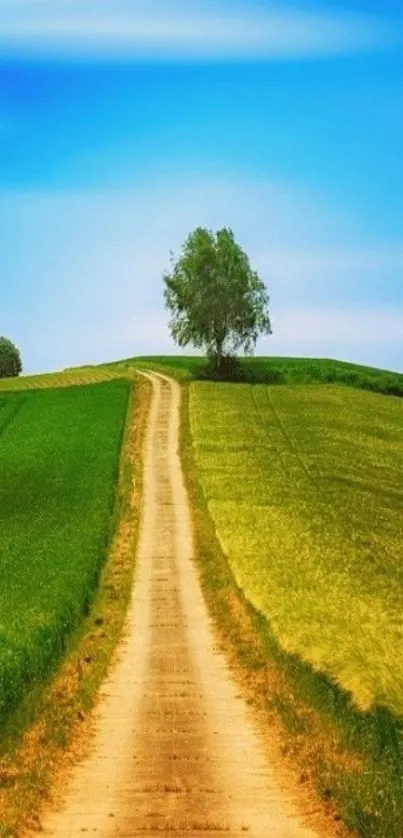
(10, 359)
(217, 302)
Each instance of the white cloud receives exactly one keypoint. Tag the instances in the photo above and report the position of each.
(339, 269)
(355, 326)
(161, 29)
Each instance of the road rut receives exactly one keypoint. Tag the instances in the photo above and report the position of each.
(174, 748)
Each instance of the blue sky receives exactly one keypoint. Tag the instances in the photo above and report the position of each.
(124, 124)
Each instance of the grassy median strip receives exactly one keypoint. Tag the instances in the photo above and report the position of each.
(71, 605)
(298, 501)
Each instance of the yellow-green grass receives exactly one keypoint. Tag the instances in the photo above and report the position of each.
(270, 370)
(60, 453)
(64, 378)
(179, 367)
(304, 485)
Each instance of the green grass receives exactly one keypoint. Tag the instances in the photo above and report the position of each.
(65, 378)
(272, 370)
(182, 368)
(305, 488)
(305, 497)
(59, 465)
(297, 497)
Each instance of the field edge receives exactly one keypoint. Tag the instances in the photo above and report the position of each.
(339, 754)
(51, 730)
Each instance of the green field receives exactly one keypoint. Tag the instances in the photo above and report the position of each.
(304, 485)
(301, 467)
(60, 453)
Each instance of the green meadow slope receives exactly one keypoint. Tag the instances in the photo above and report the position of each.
(60, 452)
(305, 487)
(301, 466)
(271, 370)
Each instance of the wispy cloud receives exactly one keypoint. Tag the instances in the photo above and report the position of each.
(333, 327)
(171, 29)
(340, 268)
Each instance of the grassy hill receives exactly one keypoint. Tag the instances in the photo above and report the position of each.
(305, 494)
(297, 476)
(272, 370)
(299, 473)
(303, 485)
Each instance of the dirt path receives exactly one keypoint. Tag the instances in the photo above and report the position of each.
(174, 748)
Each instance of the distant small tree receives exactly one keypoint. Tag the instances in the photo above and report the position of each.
(10, 359)
(217, 302)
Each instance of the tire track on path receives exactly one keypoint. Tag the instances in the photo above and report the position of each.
(174, 748)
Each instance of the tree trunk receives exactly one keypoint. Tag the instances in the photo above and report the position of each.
(218, 353)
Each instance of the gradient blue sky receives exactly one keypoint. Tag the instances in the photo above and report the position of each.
(124, 124)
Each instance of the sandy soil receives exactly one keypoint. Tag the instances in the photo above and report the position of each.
(174, 748)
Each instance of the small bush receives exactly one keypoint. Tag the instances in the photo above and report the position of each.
(227, 369)
(239, 371)
(10, 359)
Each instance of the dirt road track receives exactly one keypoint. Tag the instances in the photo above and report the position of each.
(174, 748)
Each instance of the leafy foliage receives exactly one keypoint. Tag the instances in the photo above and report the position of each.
(10, 359)
(218, 303)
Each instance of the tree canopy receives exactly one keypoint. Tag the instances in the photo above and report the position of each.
(217, 302)
(10, 359)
